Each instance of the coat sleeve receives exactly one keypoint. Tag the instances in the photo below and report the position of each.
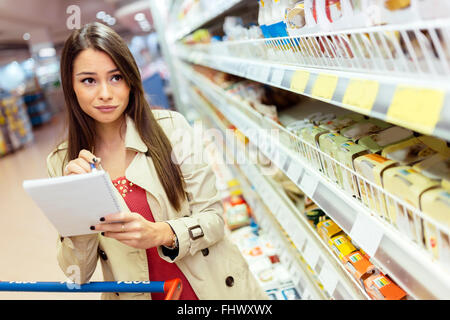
(203, 225)
(76, 255)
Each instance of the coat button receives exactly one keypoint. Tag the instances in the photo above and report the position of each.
(229, 281)
(102, 254)
(205, 252)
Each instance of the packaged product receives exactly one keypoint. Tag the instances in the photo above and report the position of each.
(295, 18)
(416, 149)
(295, 128)
(432, 9)
(341, 245)
(436, 167)
(311, 135)
(436, 204)
(408, 185)
(359, 266)
(371, 167)
(237, 216)
(397, 4)
(346, 153)
(342, 122)
(315, 216)
(332, 10)
(380, 287)
(328, 229)
(364, 128)
(377, 141)
(329, 144)
(319, 118)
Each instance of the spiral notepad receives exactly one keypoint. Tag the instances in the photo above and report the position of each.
(74, 203)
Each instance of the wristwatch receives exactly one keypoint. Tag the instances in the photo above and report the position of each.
(174, 240)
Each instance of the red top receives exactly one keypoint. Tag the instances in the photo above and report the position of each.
(158, 269)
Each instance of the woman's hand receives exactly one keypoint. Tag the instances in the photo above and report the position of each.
(81, 164)
(135, 231)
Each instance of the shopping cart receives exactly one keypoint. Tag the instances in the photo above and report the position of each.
(172, 288)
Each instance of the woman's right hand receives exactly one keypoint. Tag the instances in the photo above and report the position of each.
(82, 163)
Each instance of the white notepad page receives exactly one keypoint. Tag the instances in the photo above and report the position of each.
(74, 203)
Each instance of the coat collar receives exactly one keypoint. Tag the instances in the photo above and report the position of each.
(132, 138)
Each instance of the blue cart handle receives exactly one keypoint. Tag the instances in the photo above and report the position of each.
(172, 288)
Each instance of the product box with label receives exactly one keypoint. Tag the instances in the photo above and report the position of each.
(294, 128)
(371, 167)
(379, 287)
(341, 245)
(315, 216)
(364, 128)
(377, 141)
(408, 185)
(436, 167)
(359, 266)
(416, 149)
(436, 204)
(311, 135)
(328, 229)
(342, 122)
(329, 144)
(346, 153)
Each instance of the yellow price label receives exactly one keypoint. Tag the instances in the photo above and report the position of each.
(361, 94)
(416, 108)
(299, 81)
(324, 86)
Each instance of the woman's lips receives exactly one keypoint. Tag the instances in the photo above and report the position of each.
(106, 108)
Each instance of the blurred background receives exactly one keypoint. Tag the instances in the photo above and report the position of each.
(32, 35)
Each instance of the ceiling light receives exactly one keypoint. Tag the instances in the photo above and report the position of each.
(139, 16)
(111, 21)
(47, 52)
(100, 15)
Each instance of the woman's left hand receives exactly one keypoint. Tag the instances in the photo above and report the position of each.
(132, 229)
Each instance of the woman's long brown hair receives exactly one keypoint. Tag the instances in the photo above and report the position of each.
(81, 128)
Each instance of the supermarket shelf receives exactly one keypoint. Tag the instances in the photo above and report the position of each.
(330, 272)
(376, 75)
(195, 20)
(289, 256)
(337, 282)
(405, 261)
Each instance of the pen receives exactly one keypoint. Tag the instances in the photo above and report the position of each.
(93, 168)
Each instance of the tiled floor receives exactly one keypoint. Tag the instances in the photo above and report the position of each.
(27, 239)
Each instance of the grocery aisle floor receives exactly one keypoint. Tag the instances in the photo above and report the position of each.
(27, 239)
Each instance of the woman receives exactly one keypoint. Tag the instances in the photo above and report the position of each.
(171, 220)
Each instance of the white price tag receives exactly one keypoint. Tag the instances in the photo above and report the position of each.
(298, 238)
(309, 184)
(328, 278)
(294, 171)
(263, 73)
(277, 77)
(311, 254)
(285, 258)
(366, 234)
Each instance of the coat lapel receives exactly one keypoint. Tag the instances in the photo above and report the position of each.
(141, 170)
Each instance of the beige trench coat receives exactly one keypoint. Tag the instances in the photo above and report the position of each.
(212, 264)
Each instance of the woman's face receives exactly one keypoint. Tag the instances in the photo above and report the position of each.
(101, 90)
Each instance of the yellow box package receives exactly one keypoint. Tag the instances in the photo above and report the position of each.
(408, 185)
(371, 167)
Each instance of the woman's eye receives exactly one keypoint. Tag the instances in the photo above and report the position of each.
(88, 81)
(117, 77)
